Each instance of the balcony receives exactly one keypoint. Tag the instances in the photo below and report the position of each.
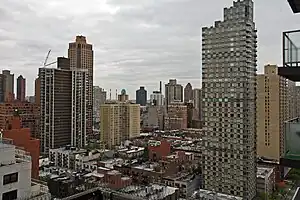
(291, 56)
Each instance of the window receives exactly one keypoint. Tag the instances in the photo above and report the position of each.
(10, 178)
(10, 195)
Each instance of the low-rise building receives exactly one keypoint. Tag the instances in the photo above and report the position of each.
(265, 180)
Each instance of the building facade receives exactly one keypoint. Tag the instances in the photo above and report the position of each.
(63, 106)
(173, 92)
(81, 56)
(2, 88)
(229, 97)
(9, 85)
(177, 117)
(273, 105)
(141, 96)
(21, 138)
(123, 97)
(120, 121)
(197, 100)
(21, 88)
(188, 93)
(29, 114)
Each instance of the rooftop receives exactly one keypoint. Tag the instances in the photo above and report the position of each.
(153, 192)
(263, 172)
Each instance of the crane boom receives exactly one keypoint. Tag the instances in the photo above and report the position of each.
(48, 54)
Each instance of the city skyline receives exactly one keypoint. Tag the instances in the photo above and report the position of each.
(110, 27)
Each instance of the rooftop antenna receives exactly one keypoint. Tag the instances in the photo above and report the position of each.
(160, 87)
(109, 94)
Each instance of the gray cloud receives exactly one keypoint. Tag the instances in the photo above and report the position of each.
(136, 42)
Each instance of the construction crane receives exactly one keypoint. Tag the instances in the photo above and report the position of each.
(45, 62)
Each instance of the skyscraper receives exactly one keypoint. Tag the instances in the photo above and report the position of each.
(99, 98)
(63, 106)
(2, 88)
(21, 88)
(141, 96)
(229, 94)
(173, 92)
(81, 56)
(188, 93)
(9, 85)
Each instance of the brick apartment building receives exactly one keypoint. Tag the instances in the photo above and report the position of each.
(29, 114)
(22, 139)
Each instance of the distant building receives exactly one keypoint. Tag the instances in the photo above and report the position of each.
(265, 180)
(2, 87)
(176, 118)
(141, 96)
(9, 85)
(188, 93)
(22, 138)
(21, 88)
(197, 100)
(173, 92)
(153, 118)
(123, 97)
(99, 98)
(120, 121)
(157, 98)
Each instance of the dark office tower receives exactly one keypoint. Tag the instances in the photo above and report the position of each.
(188, 93)
(141, 96)
(21, 88)
(63, 106)
(9, 85)
(81, 56)
(229, 96)
(2, 88)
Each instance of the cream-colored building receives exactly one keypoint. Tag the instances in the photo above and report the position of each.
(275, 101)
(120, 121)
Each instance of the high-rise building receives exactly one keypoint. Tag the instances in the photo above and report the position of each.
(157, 98)
(99, 98)
(2, 87)
(123, 97)
(81, 56)
(173, 92)
(188, 93)
(141, 96)
(37, 91)
(9, 85)
(273, 109)
(63, 106)
(120, 121)
(21, 88)
(229, 97)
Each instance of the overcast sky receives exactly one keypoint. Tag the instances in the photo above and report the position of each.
(136, 42)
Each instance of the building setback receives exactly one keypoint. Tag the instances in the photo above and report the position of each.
(21, 88)
(63, 106)
(141, 96)
(81, 56)
(229, 97)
